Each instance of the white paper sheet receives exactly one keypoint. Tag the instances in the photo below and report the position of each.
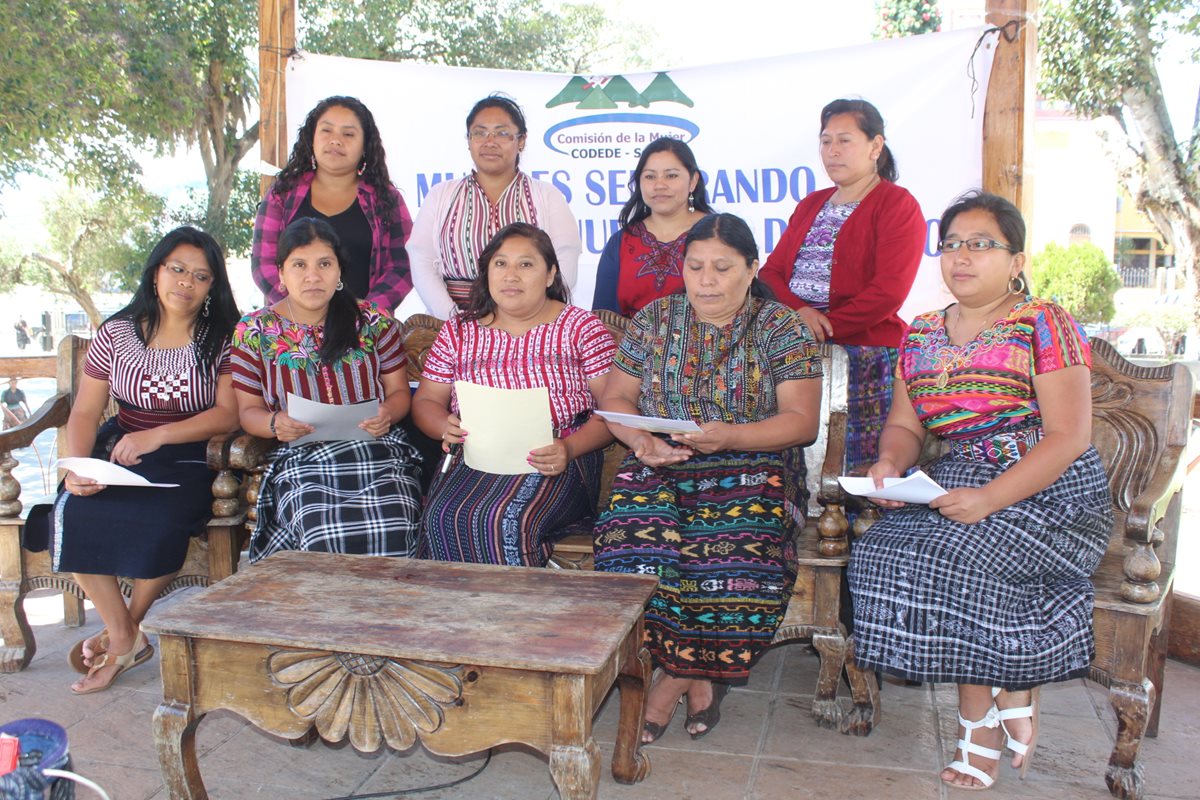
(652, 424)
(106, 472)
(916, 488)
(333, 422)
(502, 426)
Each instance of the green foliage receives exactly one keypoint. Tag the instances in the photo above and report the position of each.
(500, 34)
(236, 234)
(1079, 278)
(899, 18)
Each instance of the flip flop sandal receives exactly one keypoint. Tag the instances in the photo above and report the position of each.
(76, 658)
(141, 652)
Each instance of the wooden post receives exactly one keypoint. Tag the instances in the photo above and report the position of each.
(1008, 112)
(276, 40)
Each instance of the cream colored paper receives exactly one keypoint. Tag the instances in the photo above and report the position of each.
(502, 426)
(106, 472)
(916, 488)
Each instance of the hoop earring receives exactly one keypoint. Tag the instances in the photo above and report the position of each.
(362, 167)
(207, 303)
(1020, 286)
(340, 286)
(691, 202)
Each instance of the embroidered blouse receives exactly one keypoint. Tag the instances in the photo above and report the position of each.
(562, 355)
(814, 261)
(694, 370)
(986, 385)
(636, 268)
(152, 387)
(273, 355)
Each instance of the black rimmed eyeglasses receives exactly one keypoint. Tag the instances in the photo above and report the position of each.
(973, 245)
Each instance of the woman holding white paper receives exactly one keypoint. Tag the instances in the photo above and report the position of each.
(988, 585)
(164, 358)
(319, 343)
(518, 332)
(711, 513)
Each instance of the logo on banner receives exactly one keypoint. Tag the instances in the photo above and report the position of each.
(612, 133)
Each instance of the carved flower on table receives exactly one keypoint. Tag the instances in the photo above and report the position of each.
(371, 698)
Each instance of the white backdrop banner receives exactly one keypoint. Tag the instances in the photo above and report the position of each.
(753, 126)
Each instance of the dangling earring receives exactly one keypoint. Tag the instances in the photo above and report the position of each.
(1016, 285)
(340, 286)
(691, 202)
(207, 303)
(362, 167)
(313, 160)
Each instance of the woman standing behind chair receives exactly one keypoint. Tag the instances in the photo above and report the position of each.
(165, 359)
(644, 260)
(459, 218)
(338, 172)
(519, 332)
(848, 260)
(712, 514)
(988, 586)
(321, 344)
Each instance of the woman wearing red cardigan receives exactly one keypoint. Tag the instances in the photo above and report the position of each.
(847, 262)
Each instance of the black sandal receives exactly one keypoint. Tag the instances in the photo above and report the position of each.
(710, 716)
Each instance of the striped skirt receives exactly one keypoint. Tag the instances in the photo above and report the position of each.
(717, 532)
(360, 497)
(870, 372)
(1004, 602)
(514, 520)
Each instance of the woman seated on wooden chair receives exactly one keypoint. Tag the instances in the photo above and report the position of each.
(519, 331)
(165, 359)
(318, 342)
(987, 586)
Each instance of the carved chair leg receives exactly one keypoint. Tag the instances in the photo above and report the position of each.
(831, 645)
(19, 645)
(864, 691)
(1156, 664)
(73, 612)
(223, 552)
(1131, 702)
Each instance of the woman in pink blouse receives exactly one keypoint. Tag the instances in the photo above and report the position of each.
(518, 332)
(319, 343)
(165, 359)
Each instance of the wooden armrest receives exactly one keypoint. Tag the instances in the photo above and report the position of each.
(52, 414)
(247, 451)
(1151, 503)
(835, 460)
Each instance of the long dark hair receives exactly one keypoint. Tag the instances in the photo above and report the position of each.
(214, 321)
(870, 122)
(344, 317)
(731, 230)
(508, 106)
(373, 165)
(481, 303)
(635, 209)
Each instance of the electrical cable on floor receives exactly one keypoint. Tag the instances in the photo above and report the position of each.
(403, 792)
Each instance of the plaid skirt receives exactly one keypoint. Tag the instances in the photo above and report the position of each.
(483, 518)
(360, 497)
(1005, 602)
(717, 531)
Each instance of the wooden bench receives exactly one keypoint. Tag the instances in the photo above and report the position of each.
(211, 556)
(1141, 417)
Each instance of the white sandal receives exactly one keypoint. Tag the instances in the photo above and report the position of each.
(1033, 712)
(990, 720)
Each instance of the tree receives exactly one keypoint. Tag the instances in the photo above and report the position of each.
(1079, 278)
(1100, 56)
(98, 243)
(1170, 322)
(899, 18)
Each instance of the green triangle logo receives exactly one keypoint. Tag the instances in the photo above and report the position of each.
(575, 90)
(663, 89)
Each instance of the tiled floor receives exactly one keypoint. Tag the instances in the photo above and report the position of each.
(766, 746)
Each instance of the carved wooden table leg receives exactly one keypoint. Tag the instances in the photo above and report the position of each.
(175, 723)
(19, 644)
(864, 692)
(832, 647)
(1125, 777)
(574, 756)
(630, 764)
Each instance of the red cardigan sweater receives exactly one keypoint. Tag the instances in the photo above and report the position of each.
(875, 260)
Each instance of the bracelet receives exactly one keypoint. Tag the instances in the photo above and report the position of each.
(274, 414)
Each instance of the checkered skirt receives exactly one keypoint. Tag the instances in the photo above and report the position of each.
(341, 497)
(1005, 602)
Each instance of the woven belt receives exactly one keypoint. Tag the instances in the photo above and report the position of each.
(1001, 448)
(460, 291)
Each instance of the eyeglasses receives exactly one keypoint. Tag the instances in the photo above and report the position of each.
(502, 136)
(179, 270)
(973, 245)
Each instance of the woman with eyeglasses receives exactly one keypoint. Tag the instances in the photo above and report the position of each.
(460, 217)
(338, 173)
(987, 586)
(164, 358)
(847, 261)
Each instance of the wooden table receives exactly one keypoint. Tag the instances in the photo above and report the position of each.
(391, 650)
